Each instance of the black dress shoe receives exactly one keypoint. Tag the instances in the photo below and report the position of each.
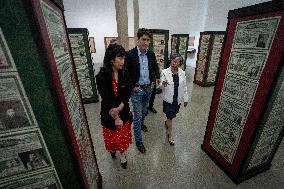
(152, 109)
(141, 147)
(144, 128)
(113, 155)
(124, 165)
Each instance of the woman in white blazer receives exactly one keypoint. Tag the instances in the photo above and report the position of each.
(174, 92)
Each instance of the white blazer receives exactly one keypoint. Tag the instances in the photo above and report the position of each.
(168, 91)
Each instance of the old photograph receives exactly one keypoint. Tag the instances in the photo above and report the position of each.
(33, 159)
(256, 34)
(15, 111)
(25, 152)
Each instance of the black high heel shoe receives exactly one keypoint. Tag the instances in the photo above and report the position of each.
(113, 155)
(124, 164)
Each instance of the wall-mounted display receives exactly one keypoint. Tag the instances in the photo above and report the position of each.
(159, 45)
(92, 45)
(83, 64)
(245, 123)
(131, 42)
(208, 57)
(44, 92)
(179, 44)
(191, 41)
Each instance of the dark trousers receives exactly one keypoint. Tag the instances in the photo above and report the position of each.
(152, 98)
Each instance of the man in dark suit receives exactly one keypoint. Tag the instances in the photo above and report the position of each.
(143, 71)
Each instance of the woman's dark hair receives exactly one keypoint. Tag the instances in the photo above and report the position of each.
(175, 55)
(112, 51)
(143, 31)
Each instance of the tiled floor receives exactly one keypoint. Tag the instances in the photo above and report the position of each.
(184, 165)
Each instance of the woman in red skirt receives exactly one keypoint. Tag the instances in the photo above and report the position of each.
(116, 118)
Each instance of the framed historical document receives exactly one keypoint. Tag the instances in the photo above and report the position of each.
(179, 44)
(131, 42)
(109, 40)
(53, 32)
(245, 123)
(42, 117)
(92, 44)
(208, 57)
(159, 45)
(46, 179)
(191, 41)
(15, 111)
(83, 64)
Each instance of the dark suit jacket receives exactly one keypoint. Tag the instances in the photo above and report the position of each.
(109, 100)
(133, 66)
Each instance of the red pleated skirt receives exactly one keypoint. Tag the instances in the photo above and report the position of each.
(119, 139)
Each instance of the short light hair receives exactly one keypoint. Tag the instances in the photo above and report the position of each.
(175, 55)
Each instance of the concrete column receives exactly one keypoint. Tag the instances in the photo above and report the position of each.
(122, 22)
(136, 16)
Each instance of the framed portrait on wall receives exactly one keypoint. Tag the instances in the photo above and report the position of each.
(92, 44)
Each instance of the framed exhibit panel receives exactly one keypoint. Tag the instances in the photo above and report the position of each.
(191, 41)
(131, 42)
(179, 44)
(109, 40)
(245, 123)
(159, 45)
(44, 179)
(53, 104)
(83, 64)
(208, 57)
(23, 149)
(92, 45)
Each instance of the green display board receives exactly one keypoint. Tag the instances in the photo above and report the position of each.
(83, 63)
(51, 123)
(179, 44)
